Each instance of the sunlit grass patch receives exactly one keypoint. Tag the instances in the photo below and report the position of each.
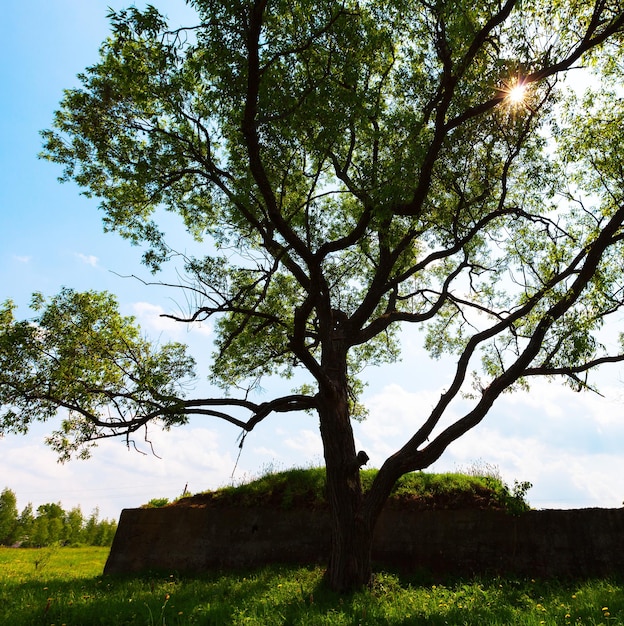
(69, 589)
(51, 563)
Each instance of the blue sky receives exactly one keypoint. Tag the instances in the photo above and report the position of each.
(568, 445)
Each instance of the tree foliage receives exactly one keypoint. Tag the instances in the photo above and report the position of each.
(79, 354)
(8, 517)
(51, 525)
(352, 167)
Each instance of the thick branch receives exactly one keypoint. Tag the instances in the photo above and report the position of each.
(573, 370)
(250, 132)
(410, 454)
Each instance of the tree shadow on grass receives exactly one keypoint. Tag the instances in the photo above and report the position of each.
(153, 598)
(281, 595)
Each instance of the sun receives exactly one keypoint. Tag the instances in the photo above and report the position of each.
(517, 93)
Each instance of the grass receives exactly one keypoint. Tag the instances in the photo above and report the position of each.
(417, 490)
(65, 586)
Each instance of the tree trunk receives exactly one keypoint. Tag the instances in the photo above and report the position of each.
(349, 565)
(351, 534)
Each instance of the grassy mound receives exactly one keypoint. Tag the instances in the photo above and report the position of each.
(416, 491)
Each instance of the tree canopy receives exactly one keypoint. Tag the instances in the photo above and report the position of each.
(352, 167)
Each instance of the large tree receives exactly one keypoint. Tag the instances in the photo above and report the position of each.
(352, 167)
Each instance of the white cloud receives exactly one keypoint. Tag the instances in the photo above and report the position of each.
(567, 444)
(150, 317)
(561, 478)
(22, 259)
(88, 259)
(306, 442)
(264, 451)
(394, 416)
(117, 477)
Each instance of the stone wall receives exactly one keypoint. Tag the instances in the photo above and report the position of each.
(583, 542)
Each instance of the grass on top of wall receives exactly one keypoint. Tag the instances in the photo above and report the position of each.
(415, 491)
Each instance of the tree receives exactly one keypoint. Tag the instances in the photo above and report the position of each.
(74, 522)
(49, 525)
(8, 517)
(25, 524)
(40, 534)
(98, 532)
(352, 167)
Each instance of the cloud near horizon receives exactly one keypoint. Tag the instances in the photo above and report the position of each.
(563, 442)
(526, 440)
(116, 477)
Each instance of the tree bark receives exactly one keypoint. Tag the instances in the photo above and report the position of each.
(349, 565)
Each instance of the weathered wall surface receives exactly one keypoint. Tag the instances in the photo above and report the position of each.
(583, 542)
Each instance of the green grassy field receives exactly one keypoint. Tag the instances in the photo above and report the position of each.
(65, 586)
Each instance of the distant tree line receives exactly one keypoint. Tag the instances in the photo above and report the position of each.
(51, 524)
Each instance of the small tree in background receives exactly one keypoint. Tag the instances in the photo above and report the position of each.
(25, 524)
(8, 517)
(73, 527)
(51, 525)
(48, 525)
(352, 167)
